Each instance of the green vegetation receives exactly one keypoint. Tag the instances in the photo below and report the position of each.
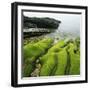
(32, 52)
(61, 62)
(75, 61)
(48, 64)
(62, 58)
(27, 70)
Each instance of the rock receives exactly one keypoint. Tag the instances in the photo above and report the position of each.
(29, 25)
(33, 22)
(36, 32)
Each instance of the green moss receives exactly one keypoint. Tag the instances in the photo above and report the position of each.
(63, 58)
(49, 65)
(44, 58)
(62, 62)
(74, 61)
(32, 51)
(57, 46)
(28, 68)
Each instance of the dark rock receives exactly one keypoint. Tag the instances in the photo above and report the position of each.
(29, 25)
(33, 22)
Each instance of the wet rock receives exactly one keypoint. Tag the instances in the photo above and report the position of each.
(32, 32)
